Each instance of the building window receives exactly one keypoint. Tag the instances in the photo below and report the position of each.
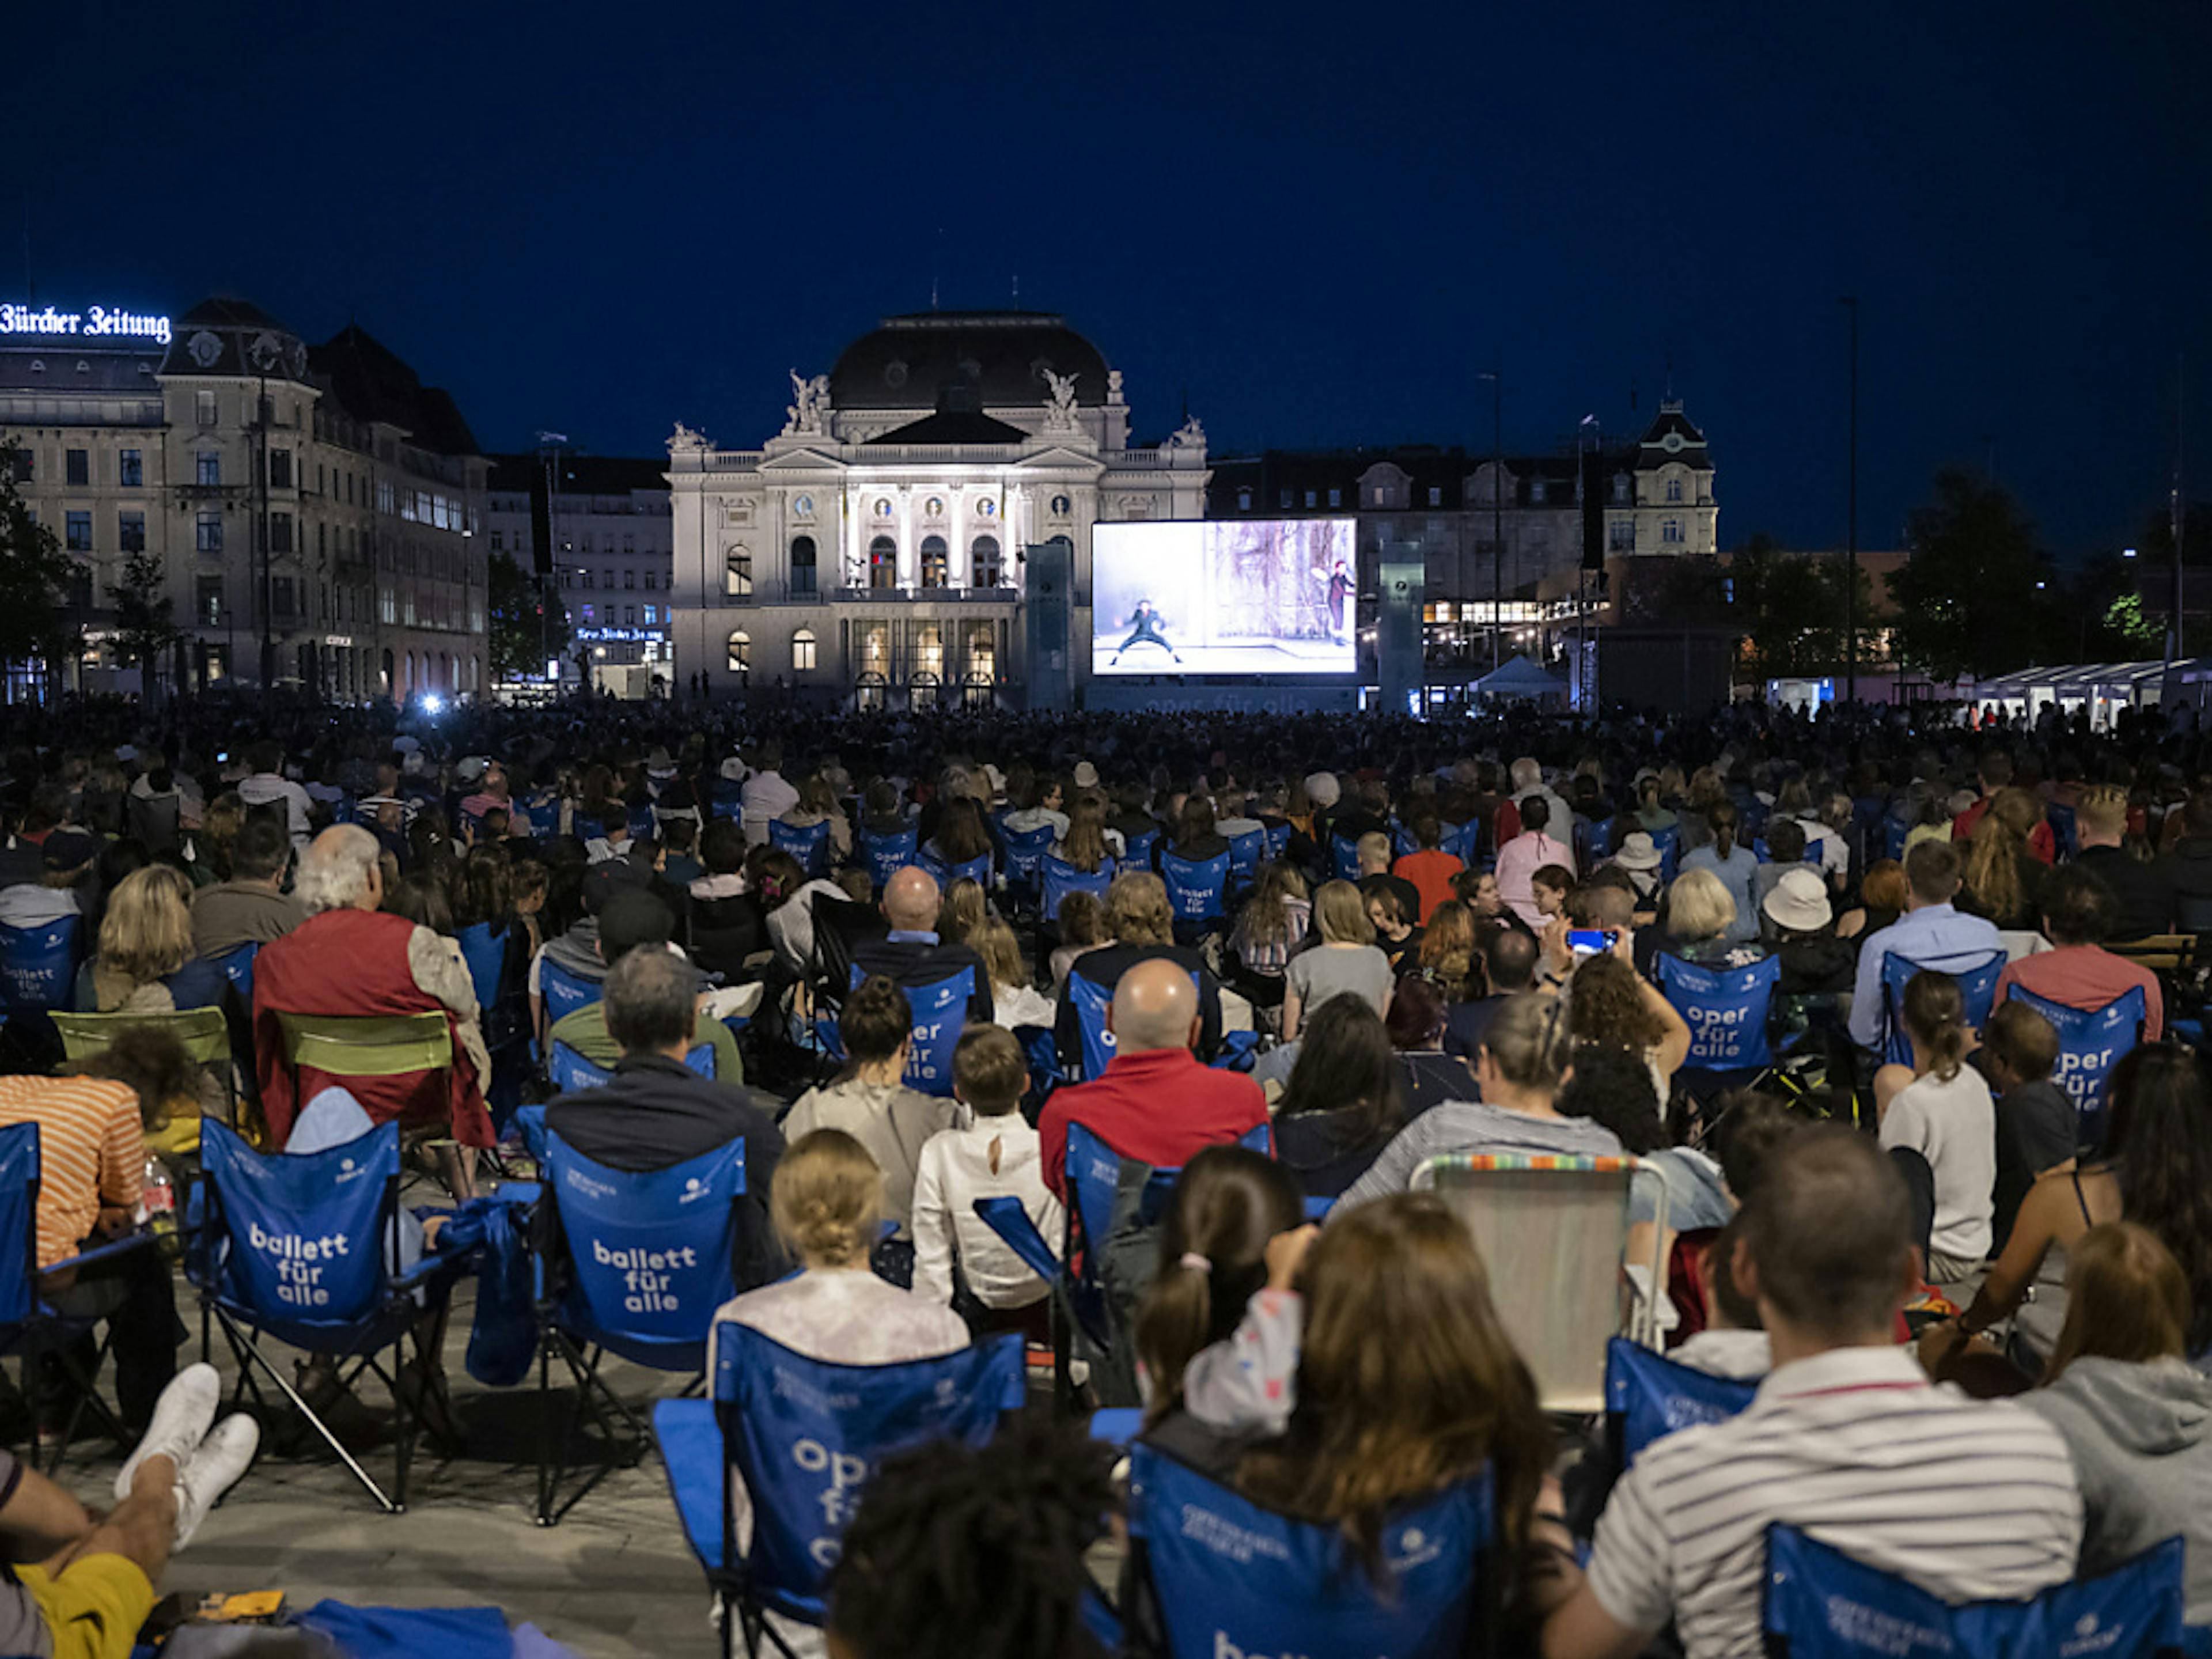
(207, 600)
(1620, 536)
(986, 569)
(652, 580)
(883, 563)
(1436, 495)
(499, 543)
(1670, 532)
(130, 532)
(280, 532)
(935, 561)
(609, 583)
(650, 618)
(1620, 489)
(76, 465)
(802, 564)
(630, 615)
(207, 534)
(207, 468)
(1336, 498)
(741, 651)
(1286, 501)
(1244, 499)
(738, 574)
(22, 466)
(802, 651)
(629, 546)
(280, 596)
(79, 532)
(1310, 498)
(1674, 490)
(589, 579)
(630, 579)
(203, 405)
(280, 469)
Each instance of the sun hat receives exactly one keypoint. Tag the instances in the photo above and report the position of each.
(1799, 902)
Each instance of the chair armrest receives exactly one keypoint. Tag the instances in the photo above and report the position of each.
(1005, 1217)
(138, 1239)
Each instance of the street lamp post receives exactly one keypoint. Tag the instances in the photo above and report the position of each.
(1497, 378)
(1851, 520)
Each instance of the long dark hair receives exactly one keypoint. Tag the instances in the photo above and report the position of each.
(1346, 1060)
(2158, 1141)
(962, 834)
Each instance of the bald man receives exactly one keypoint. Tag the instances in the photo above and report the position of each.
(911, 954)
(1155, 1103)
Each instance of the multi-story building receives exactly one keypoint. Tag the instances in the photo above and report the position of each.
(610, 530)
(873, 549)
(314, 510)
(1503, 546)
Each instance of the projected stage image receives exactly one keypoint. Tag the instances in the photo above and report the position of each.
(1269, 597)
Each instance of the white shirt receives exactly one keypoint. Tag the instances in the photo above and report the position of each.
(1022, 1005)
(1954, 1127)
(1968, 1499)
(892, 1123)
(790, 924)
(266, 787)
(765, 798)
(33, 904)
(996, 1157)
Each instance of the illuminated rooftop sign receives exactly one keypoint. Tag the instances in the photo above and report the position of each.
(51, 322)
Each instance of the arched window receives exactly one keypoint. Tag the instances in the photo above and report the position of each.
(802, 651)
(741, 651)
(738, 579)
(984, 565)
(802, 564)
(883, 563)
(935, 558)
(922, 691)
(1674, 490)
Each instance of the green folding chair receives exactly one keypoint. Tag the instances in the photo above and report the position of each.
(349, 1046)
(204, 1033)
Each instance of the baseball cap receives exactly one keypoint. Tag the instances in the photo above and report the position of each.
(69, 849)
(631, 919)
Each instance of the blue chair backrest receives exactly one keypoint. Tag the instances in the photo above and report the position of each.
(1139, 848)
(1246, 853)
(38, 965)
(1653, 1397)
(643, 825)
(977, 869)
(807, 1435)
(1343, 858)
(237, 967)
(1230, 1578)
(306, 1232)
(1278, 837)
(1822, 1604)
(939, 1012)
(727, 799)
(565, 992)
(1005, 1216)
(1725, 1009)
(650, 1250)
(571, 1073)
(1094, 1171)
(1893, 835)
(886, 856)
(2090, 1043)
(1091, 1001)
(1061, 879)
(1198, 889)
(542, 812)
(1978, 987)
(19, 1222)
(2065, 830)
(1025, 853)
(485, 953)
(1668, 841)
(810, 845)
(1600, 839)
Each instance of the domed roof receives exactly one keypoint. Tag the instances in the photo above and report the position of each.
(224, 335)
(905, 362)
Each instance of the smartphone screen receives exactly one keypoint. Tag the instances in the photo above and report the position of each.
(1588, 941)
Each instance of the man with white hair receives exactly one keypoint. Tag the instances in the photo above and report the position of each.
(1528, 779)
(351, 957)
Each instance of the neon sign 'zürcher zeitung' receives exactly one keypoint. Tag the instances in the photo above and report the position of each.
(50, 322)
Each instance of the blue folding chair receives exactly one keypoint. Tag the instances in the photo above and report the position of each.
(648, 1259)
(1726, 1010)
(570, 1073)
(1026, 851)
(810, 845)
(804, 1436)
(29, 1325)
(1822, 1604)
(237, 965)
(1230, 1578)
(305, 1247)
(38, 965)
(643, 825)
(1061, 879)
(1648, 1396)
(938, 1009)
(1668, 842)
(1278, 836)
(1246, 853)
(484, 950)
(1343, 859)
(1198, 889)
(564, 991)
(2090, 1044)
(1095, 1042)
(977, 869)
(1978, 987)
(1137, 849)
(886, 856)
(542, 812)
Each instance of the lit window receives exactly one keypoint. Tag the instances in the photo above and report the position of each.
(1436, 495)
(1674, 490)
(1310, 498)
(935, 558)
(1336, 498)
(131, 468)
(207, 468)
(984, 567)
(741, 651)
(1670, 532)
(80, 532)
(802, 651)
(207, 534)
(1244, 499)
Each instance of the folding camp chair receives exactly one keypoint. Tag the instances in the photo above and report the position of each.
(204, 1033)
(347, 1046)
(1095, 1042)
(1198, 891)
(804, 1435)
(237, 965)
(938, 1008)
(809, 844)
(563, 990)
(305, 1248)
(38, 965)
(29, 1325)
(647, 1256)
(1060, 878)
(1224, 1576)
(977, 869)
(1822, 1604)
(1976, 973)
(570, 1073)
(2091, 1042)
(885, 856)
(1553, 1233)
(1343, 859)
(1648, 1396)
(1726, 1010)
(1246, 853)
(1026, 851)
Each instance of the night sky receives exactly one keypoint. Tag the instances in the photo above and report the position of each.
(1315, 223)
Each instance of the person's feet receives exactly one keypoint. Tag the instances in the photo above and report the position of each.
(181, 1417)
(215, 1468)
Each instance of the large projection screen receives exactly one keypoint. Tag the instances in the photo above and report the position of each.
(1256, 597)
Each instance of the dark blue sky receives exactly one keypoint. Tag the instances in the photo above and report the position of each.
(1317, 222)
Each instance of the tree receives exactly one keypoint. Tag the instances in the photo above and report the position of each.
(1971, 597)
(529, 623)
(34, 574)
(145, 623)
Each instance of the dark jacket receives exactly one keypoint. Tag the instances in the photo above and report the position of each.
(2145, 906)
(909, 963)
(1105, 968)
(2187, 871)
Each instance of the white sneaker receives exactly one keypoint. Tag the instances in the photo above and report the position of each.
(223, 1457)
(181, 1417)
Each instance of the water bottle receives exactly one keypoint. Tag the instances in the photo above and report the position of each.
(157, 1201)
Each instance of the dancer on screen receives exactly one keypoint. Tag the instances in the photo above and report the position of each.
(1340, 589)
(1145, 629)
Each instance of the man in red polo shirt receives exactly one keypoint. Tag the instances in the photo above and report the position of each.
(1155, 1103)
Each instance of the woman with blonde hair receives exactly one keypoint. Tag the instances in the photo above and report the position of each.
(818, 804)
(2003, 877)
(1082, 927)
(146, 963)
(1015, 1002)
(964, 910)
(1143, 929)
(1346, 960)
(1270, 926)
(1700, 914)
(1449, 960)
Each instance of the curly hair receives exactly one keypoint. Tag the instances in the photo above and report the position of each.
(1605, 1004)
